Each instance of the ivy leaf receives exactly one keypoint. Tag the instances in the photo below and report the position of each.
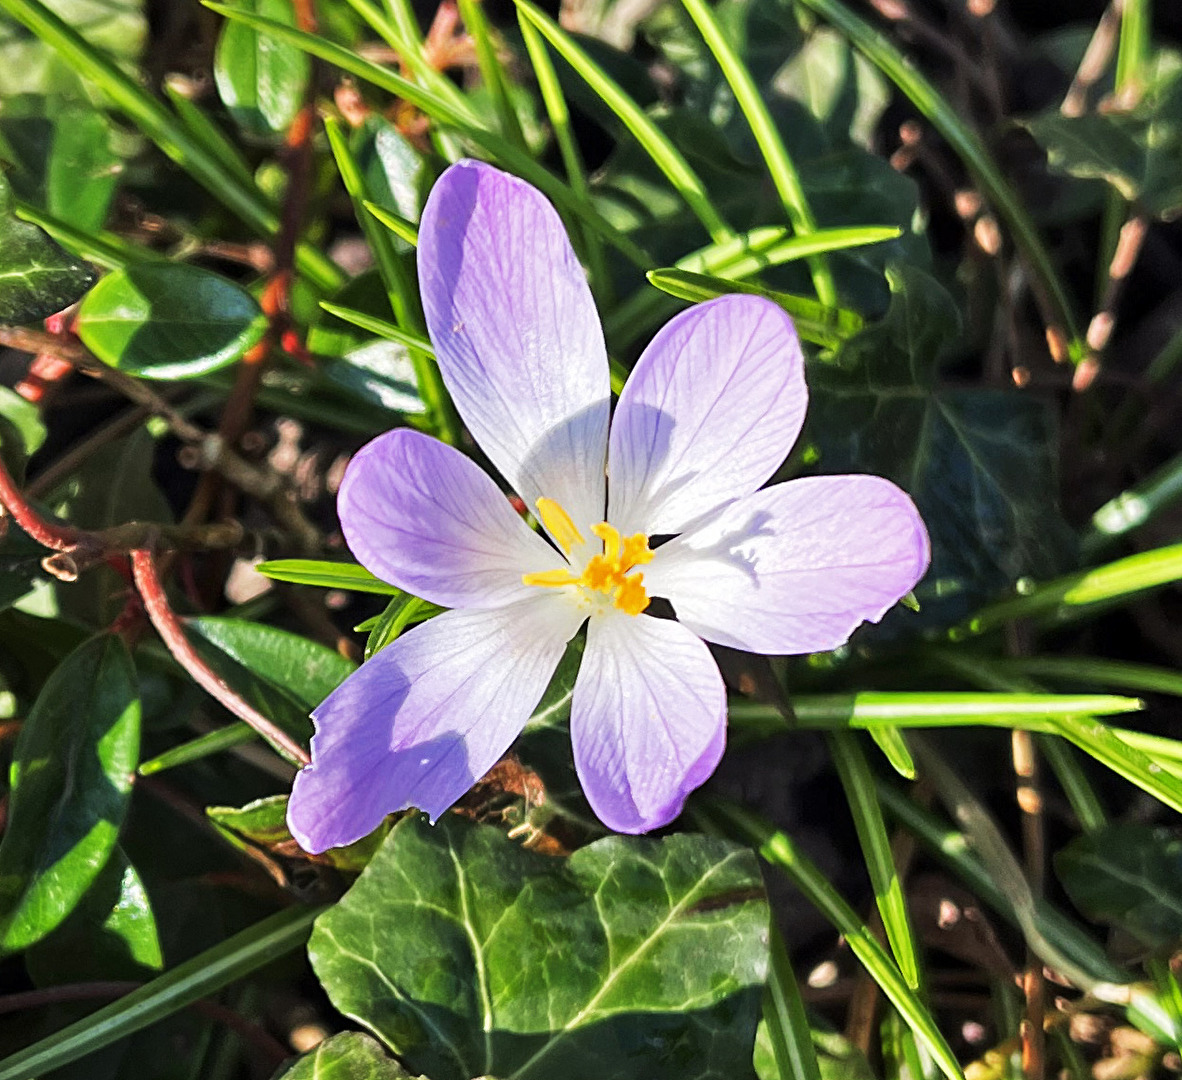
(38, 277)
(348, 1056)
(169, 321)
(980, 464)
(1137, 152)
(71, 781)
(471, 956)
(1128, 876)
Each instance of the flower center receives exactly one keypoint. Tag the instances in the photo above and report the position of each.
(605, 575)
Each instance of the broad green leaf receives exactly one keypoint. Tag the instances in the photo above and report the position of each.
(1128, 876)
(260, 80)
(348, 1056)
(62, 156)
(395, 173)
(472, 956)
(111, 934)
(116, 28)
(328, 575)
(191, 981)
(263, 824)
(980, 464)
(25, 418)
(304, 670)
(70, 784)
(1136, 152)
(38, 277)
(169, 321)
(381, 373)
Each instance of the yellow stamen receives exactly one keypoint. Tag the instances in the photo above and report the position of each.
(630, 595)
(550, 578)
(558, 524)
(607, 573)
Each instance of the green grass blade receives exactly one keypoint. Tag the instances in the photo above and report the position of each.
(492, 71)
(159, 125)
(778, 849)
(891, 741)
(104, 248)
(1082, 594)
(880, 51)
(212, 742)
(652, 139)
(205, 974)
(828, 712)
(1085, 804)
(208, 134)
(1107, 747)
(767, 138)
(953, 848)
(1095, 671)
(827, 327)
(783, 1012)
(1133, 508)
(400, 287)
(396, 223)
(572, 161)
(858, 782)
(443, 112)
(378, 326)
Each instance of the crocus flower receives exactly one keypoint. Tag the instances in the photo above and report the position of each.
(710, 411)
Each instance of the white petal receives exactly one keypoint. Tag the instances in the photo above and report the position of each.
(648, 719)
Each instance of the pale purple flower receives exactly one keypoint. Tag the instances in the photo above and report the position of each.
(710, 411)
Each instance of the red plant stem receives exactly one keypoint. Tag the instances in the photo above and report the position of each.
(50, 534)
(168, 626)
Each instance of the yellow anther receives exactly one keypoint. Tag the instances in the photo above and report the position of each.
(606, 573)
(630, 595)
(558, 524)
(550, 578)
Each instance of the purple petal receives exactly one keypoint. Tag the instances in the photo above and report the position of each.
(424, 517)
(648, 719)
(423, 720)
(710, 411)
(516, 335)
(797, 567)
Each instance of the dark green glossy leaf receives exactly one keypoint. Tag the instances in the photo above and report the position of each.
(1128, 876)
(110, 935)
(263, 824)
(262, 81)
(472, 956)
(1136, 152)
(304, 670)
(980, 464)
(380, 373)
(327, 575)
(117, 28)
(348, 1056)
(396, 176)
(334, 336)
(38, 277)
(169, 321)
(25, 418)
(71, 781)
(62, 158)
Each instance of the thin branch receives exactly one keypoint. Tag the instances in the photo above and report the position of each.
(168, 626)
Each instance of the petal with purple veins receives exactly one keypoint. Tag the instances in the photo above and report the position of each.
(516, 335)
(709, 413)
(423, 720)
(648, 719)
(795, 568)
(425, 517)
